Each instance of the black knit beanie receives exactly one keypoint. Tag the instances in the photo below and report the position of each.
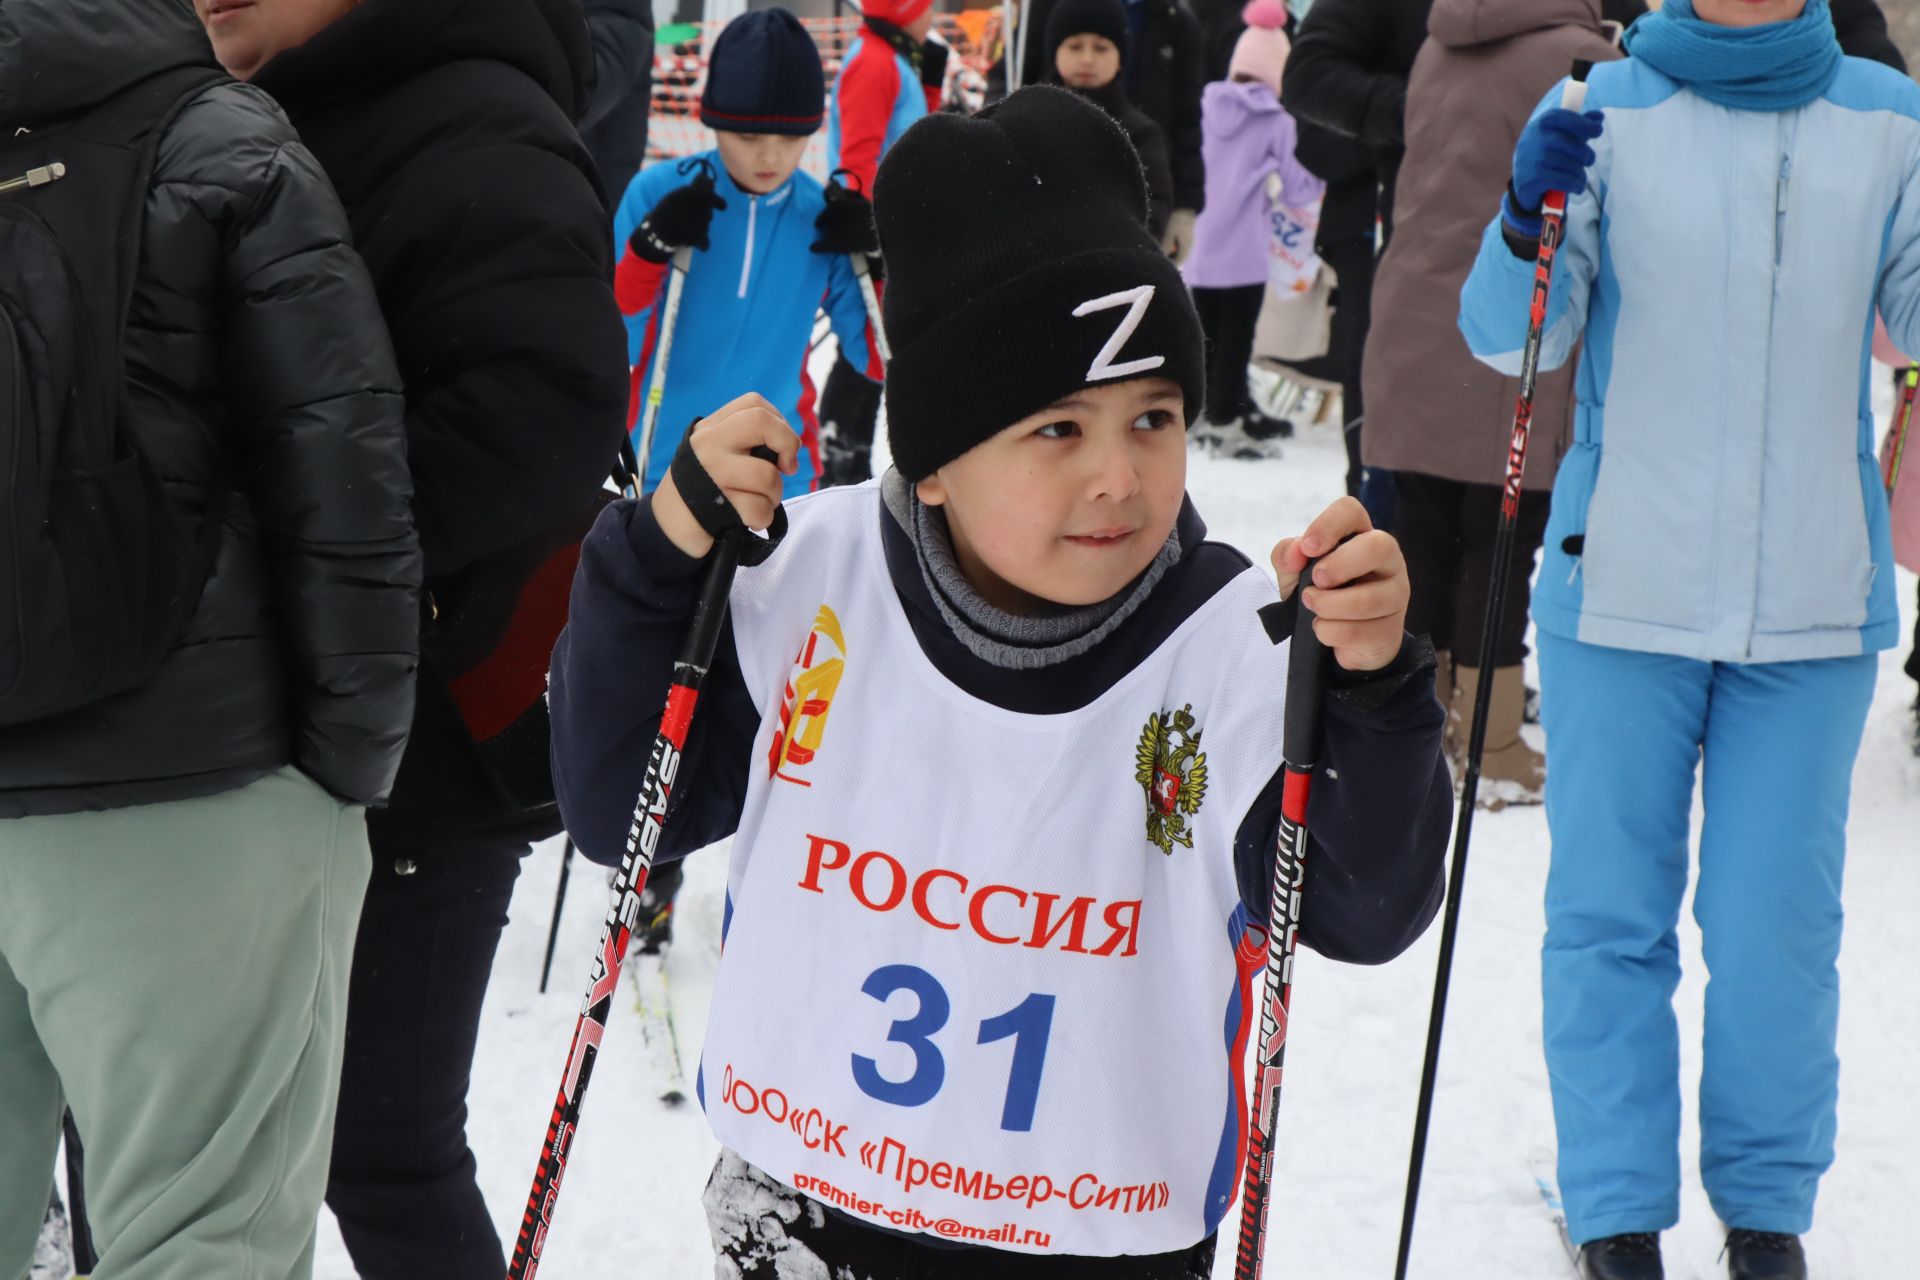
(1042, 280)
(1070, 18)
(764, 76)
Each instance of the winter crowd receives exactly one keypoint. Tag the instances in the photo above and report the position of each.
(332, 333)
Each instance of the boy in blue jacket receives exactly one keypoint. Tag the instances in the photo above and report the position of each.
(771, 248)
(924, 729)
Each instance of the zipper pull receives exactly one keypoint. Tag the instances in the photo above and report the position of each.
(35, 177)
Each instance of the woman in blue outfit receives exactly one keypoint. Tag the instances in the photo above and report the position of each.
(1716, 580)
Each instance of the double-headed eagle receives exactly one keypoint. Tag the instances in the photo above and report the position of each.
(1172, 770)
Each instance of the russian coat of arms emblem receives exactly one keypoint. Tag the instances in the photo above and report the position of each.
(1172, 770)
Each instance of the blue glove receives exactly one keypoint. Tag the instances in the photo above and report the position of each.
(1553, 155)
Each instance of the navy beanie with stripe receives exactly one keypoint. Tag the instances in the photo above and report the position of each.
(764, 76)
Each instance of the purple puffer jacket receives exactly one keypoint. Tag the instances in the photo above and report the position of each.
(1246, 135)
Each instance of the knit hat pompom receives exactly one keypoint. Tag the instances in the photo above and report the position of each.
(1270, 15)
(1041, 282)
(764, 76)
(1261, 52)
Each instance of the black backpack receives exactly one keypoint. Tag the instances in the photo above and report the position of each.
(99, 573)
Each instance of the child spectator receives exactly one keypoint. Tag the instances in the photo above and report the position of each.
(1087, 45)
(1252, 176)
(772, 247)
(987, 629)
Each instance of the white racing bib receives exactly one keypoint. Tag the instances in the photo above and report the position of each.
(987, 974)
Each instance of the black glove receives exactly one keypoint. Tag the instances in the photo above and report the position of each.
(933, 64)
(680, 220)
(846, 224)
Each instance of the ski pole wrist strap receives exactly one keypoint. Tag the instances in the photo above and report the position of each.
(711, 509)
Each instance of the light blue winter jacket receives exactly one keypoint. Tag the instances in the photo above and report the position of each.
(1721, 499)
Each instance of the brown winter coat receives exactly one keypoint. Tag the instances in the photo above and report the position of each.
(1432, 407)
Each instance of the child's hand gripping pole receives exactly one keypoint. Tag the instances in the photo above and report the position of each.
(844, 188)
(1553, 219)
(735, 546)
(1306, 689)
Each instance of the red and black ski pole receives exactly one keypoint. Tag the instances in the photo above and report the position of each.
(623, 914)
(1300, 748)
(1553, 223)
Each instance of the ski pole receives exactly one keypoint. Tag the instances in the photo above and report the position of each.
(1554, 214)
(1018, 79)
(1306, 678)
(559, 901)
(863, 272)
(623, 912)
(657, 384)
(1901, 422)
(85, 1257)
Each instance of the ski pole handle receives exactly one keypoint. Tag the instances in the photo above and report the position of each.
(623, 912)
(1300, 742)
(1553, 218)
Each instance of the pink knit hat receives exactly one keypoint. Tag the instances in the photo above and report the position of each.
(1261, 51)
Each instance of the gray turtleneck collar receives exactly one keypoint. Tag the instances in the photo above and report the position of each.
(1018, 642)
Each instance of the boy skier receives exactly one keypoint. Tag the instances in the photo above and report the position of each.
(952, 829)
(772, 247)
(892, 76)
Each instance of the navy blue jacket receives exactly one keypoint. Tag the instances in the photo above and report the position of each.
(1379, 814)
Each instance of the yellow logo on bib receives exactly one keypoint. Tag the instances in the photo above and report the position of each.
(1172, 770)
(808, 698)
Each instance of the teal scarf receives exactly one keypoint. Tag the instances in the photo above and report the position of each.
(1775, 67)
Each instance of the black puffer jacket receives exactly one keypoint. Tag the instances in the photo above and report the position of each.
(255, 352)
(614, 124)
(1348, 72)
(447, 127)
(1164, 78)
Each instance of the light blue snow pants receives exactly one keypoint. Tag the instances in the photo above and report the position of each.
(1777, 741)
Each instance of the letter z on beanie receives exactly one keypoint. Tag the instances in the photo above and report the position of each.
(1020, 270)
(764, 76)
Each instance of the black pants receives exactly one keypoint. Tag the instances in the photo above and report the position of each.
(1228, 317)
(402, 1182)
(1913, 658)
(1353, 262)
(1446, 530)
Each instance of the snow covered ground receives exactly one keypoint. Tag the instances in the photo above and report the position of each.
(631, 1204)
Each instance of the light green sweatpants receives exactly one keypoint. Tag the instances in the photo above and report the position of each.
(177, 975)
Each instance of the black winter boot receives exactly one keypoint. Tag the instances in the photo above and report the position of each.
(1635, 1256)
(1764, 1255)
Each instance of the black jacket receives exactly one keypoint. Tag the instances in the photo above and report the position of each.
(1348, 73)
(447, 126)
(1164, 79)
(1379, 813)
(1149, 140)
(255, 354)
(614, 126)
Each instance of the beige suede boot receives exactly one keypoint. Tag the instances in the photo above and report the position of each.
(1511, 772)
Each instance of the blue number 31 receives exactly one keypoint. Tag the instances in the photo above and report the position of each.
(1028, 1024)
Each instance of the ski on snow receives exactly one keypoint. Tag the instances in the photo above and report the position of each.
(1546, 1180)
(653, 1001)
